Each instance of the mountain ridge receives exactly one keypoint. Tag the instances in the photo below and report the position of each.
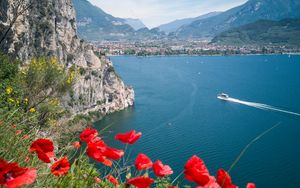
(94, 24)
(263, 32)
(249, 12)
(135, 23)
(176, 24)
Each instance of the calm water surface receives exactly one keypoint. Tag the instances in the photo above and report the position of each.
(179, 115)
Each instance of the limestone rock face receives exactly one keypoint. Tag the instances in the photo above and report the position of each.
(48, 28)
(100, 89)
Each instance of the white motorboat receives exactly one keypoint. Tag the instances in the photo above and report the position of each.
(223, 96)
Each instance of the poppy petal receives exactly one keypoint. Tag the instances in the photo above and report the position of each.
(44, 149)
(113, 153)
(141, 182)
(251, 185)
(13, 176)
(224, 180)
(107, 162)
(27, 178)
(161, 170)
(112, 180)
(129, 137)
(143, 162)
(60, 167)
(196, 171)
(88, 134)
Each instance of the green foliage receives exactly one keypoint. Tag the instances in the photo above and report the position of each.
(37, 88)
(95, 73)
(10, 92)
(82, 71)
(129, 52)
(44, 78)
(162, 182)
(8, 68)
(44, 81)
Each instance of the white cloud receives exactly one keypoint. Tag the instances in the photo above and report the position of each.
(156, 12)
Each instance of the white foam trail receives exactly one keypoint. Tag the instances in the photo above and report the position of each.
(261, 106)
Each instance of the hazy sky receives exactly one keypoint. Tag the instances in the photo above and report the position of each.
(156, 12)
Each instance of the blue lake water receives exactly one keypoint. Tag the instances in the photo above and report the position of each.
(179, 115)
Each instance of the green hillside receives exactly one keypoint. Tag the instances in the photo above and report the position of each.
(263, 32)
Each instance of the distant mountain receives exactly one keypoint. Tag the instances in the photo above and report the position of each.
(135, 23)
(249, 12)
(174, 25)
(263, 32)
(94, 24)
(145, 33)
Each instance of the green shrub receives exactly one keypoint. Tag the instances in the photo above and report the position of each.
(8, 68)
(82, 71)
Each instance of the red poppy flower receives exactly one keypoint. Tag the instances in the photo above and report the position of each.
(113, 153)
(13, 176)
(107, 162)
(196, 171)
(26, 136)
(112, 180)
(161, 170)
(140, 182)
(143, 162)
(97, 180)
(96, 150)
(88, 134)
(224, 180)
(128, 138)
(18, 132)
(251, 185)
(96, 139)
(76, 145)
(60, 167)
(211, 184)
(44, 149)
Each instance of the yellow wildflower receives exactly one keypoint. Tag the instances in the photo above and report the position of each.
(26, 100)
(54, 102)
(71, 77)
(32, 110)
(9, 90)
(10, 100)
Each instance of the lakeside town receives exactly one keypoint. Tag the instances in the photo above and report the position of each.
(167, 48)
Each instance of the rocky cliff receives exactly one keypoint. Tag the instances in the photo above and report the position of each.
(48, 28)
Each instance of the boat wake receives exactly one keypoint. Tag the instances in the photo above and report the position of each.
(260, 106)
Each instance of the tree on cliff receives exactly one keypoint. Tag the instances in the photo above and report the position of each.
(18, 8)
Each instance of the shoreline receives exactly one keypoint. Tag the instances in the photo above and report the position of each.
(215, 55)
